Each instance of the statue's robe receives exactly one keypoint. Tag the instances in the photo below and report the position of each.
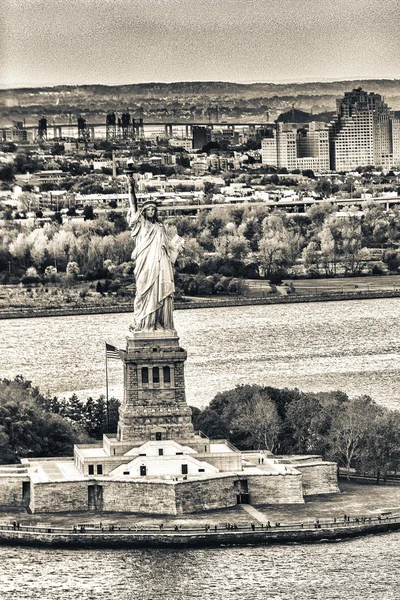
(153, 306)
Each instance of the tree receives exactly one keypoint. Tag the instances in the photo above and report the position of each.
(236, 286)
(216, 219)
(50, 273)
(329, 249)
(27, 201)
(38, 240)
(381, 451)
(28, 428)
(31, 276)
(211, 424)
(205, 285)
(73, 269)
(311, 258)
(7, 173)
(324, 187)
(319, 212)
(303, 418)
(88, 213)
(260, 421)
(251, 229)
(392, 259)
(58, 150)
(274, 246)
(350, 427)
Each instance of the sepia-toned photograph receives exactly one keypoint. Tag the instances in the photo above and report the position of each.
(199, 300)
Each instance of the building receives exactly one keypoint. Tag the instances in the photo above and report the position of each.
(156, 463)
(363, 133)
(185, 143)
(17, 133)
(396, 141)
(291, 146)
(201, 136)
(313, 147)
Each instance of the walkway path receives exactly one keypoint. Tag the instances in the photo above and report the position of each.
(254, 513)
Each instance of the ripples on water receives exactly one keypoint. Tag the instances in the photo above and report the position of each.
(361, 569)
(353, 346)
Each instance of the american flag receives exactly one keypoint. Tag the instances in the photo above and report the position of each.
(112, 351)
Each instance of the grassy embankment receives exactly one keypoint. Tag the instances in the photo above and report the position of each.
(20, 302)
(355, 500)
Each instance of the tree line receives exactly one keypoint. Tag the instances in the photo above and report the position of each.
(32, 424)
(239, 241)
(356, 433)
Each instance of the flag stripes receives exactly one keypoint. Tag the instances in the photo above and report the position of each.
(112, 351)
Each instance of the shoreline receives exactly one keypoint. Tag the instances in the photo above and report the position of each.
(282, 534)
(25, 313)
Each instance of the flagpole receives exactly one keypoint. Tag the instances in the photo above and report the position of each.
(107, 406)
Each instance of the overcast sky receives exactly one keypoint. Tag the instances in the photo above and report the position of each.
(50, 42)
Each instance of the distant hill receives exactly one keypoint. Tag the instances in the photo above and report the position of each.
(299, 116)
(187, 101)
(218, 88)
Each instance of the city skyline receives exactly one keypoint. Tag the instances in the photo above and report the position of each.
(77, 42)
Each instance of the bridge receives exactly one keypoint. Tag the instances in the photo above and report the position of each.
(140, 129)
(172, 207)
(296, 206)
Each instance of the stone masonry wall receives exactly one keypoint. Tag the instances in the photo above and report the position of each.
(60, 496)
(142, 497)
(275, 489)
(11, 491)
(150, 497)
(319, 478)
(193, 496)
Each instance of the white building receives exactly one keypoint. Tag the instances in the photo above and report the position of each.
(292, 148)
(363, 133)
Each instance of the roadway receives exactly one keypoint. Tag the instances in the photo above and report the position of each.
(285, 204)
(291, 206)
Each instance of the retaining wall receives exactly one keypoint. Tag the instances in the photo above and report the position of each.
(290, 299)
(192, 539)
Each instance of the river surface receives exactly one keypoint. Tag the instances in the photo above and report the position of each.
(353, 346)
(361, 569)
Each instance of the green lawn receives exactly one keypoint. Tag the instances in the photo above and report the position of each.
(346, 284)
(354, 500)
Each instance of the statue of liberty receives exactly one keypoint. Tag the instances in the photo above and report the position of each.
(154, 254)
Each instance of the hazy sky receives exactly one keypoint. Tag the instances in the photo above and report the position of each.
(50, 42)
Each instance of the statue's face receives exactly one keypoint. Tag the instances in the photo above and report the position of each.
(150, 211)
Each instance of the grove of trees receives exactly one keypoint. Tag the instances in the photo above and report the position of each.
(237, 241)
(32, 424)
(355, 433)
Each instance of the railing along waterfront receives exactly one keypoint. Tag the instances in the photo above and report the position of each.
(353, 522)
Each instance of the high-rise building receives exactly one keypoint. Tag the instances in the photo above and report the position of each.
(201, 136)
(362, 132)
(396, 142)
(293, 147)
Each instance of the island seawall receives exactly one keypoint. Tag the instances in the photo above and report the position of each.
(286, 534)
(24, 313)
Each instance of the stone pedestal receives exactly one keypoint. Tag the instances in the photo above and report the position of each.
(154, 405)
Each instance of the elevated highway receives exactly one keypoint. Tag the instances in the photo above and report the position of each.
(294, 206)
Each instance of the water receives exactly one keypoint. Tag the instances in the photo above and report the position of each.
(361, 569)
(353, 346)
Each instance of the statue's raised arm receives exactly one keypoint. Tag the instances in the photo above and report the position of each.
(133, 203)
